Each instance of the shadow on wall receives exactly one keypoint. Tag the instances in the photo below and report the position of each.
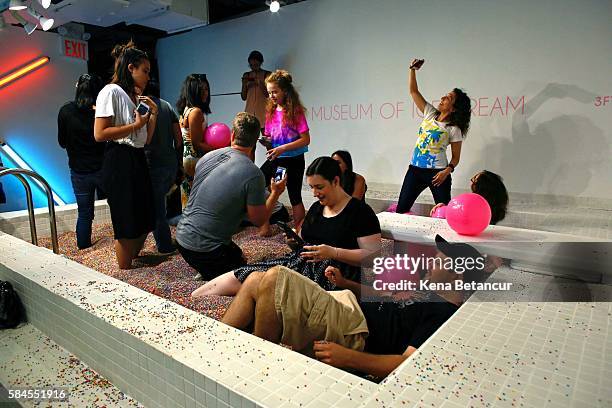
(558, 157)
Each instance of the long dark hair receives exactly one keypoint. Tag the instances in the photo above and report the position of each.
(292, 104)
(191, 94)
(460, 117)
(347, 179)
(491, 187)
(125, 55)
(325, 167)
(88, 87)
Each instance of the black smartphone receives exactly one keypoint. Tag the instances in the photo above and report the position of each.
(142, 108)
(280, 174)
(417, 64)
(265, 142)
(291, 234)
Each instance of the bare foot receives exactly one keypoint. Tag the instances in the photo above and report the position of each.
(265, 230)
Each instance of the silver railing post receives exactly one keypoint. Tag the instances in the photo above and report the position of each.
(50, 204)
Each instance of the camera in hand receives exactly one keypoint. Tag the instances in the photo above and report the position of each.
(142, 108)
(291, 234)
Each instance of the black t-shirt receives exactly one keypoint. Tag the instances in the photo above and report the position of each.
(75, 133)
(356, 220)
(393, 328)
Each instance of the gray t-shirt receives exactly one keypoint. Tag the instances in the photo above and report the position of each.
(160, 152)
(225, 182)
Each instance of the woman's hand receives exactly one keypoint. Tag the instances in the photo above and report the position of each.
(332, 353)
(440, 177)
(152, 105)
(433, 210)
(334, 275)
(274, 153)
(316, 253)
(416, 64)
(141, 120)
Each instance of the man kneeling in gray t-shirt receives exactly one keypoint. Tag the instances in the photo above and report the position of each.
(227, 186)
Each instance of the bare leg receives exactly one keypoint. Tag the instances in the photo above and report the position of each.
(299, 212)
(267, 325)
(128, 249)
(241, 311)
(222, 285)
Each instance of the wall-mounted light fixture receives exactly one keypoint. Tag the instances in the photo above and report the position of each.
(22, 164)
(17, 5)
(25, 69)
(45, 23)
(44, 3)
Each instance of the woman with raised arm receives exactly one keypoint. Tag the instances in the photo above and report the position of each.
(441, 126)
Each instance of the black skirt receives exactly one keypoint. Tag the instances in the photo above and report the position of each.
(125, 176)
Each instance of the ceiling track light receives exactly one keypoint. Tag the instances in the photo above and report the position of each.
(27, 26)
(45, 23)
(44, 3)
(15, 5)
(274, 5)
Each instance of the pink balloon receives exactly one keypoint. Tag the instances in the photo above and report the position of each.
(393, 208)
(440, 212)
(217, 135)
(468, 214)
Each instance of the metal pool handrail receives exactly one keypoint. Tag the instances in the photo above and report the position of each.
(19, 174)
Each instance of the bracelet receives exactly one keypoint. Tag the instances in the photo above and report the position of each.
(336, 256)
(452, 167)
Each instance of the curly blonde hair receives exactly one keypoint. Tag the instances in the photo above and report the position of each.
(293, 105)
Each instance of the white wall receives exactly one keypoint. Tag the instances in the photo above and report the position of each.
(28, 111)
(535, 70)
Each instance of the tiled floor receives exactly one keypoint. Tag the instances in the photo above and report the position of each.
(28, 358)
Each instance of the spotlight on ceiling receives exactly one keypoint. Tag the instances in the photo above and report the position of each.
(45, 23)
(274, 5)
(27, 26)
(45, 3)
(17, 5)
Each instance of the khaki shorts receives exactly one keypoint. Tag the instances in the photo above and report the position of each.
(309, 313)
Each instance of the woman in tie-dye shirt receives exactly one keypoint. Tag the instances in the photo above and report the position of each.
(288, 136)
(429, 167)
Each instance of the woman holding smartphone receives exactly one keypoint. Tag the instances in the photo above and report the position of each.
(339, 231)
(125, 174)
(441, 126)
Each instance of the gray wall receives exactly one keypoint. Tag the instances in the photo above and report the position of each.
(533, 69)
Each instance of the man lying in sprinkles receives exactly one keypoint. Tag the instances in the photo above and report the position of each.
(372, 338)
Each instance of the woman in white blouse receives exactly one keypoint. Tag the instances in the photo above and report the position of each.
(125, 173)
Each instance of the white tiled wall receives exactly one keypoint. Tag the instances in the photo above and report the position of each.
(17, 223)
(158, 352)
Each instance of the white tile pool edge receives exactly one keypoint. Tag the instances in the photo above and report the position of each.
(183, 359)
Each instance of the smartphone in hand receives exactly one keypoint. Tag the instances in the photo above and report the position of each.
(265, 142)
(291, 234)
(280, 174)
(417, 64)
(142, 108)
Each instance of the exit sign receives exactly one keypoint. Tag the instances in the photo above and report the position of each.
(74, 48)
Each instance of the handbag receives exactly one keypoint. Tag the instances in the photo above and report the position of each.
(12, 311)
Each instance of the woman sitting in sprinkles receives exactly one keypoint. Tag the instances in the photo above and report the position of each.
(340, 231)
